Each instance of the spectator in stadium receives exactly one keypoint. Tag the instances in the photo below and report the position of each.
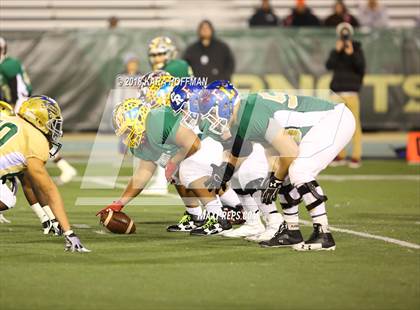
(264, 16)
(210, 57)
(301, 16)
(340, 15)
(113, 22)
(347, 62)
(373, 15)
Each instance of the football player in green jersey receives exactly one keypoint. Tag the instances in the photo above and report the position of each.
(199, 168)
(305, 134)
(196, 169)
(14, 82)
(158, 138)
(162, 54)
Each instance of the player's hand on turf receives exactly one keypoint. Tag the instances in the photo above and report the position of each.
(271, 188)
(116, 206)
(170, 170)
(73, 243)
(220, 176)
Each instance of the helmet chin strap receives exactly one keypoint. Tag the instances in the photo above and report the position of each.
(56, 147)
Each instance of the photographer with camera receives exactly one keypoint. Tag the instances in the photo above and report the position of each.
(348, 65)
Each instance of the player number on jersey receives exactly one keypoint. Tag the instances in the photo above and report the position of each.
(282, 98)
(7, 131)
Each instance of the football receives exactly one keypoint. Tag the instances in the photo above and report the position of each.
(118, 222)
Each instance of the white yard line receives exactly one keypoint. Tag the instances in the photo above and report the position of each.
(106, 180)
(173, 197)
(370, 236)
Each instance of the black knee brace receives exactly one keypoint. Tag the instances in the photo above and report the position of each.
(286, 200)
(310, 188)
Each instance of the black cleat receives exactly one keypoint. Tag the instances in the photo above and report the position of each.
(212, 226)
(320, 240)
(284, 237)
(187, 223)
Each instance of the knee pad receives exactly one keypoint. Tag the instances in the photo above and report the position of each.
(8, 194)
(289, 196)
(315, 195)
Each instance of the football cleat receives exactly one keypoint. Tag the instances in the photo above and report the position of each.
(244, 231)
(67, 171)
(284, 237)
(187, 223)
(320, 240)
(51, 226)
(273, 221)
(213, 225)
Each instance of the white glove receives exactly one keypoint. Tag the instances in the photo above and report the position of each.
(73, 243)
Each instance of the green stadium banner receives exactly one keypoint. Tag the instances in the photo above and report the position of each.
(79, 67)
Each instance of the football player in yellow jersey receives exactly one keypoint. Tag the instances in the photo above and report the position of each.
(26, 142)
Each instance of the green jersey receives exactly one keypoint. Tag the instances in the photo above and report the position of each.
(296, 114)
(178, 68)
(161, 128)
(14, 82)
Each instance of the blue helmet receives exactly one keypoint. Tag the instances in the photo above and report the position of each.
(184, 99)
(216, 104)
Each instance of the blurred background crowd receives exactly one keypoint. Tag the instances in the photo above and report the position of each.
(365, 51)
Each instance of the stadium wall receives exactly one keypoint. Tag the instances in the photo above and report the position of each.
(78, 67)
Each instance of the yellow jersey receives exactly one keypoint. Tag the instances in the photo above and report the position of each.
(19, 140)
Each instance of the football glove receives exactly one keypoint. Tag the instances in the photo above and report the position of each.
(220, 176)
(271, 187)
(116, 206)
(73, 243)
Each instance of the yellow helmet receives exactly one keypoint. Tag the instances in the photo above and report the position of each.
(161, 46)
(156, 87)
(6, 109)
(44, 113)
(129, 120)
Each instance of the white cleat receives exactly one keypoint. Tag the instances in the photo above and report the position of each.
(273, 222)
(67, 171)
(244, 231)
(4, 220)
(265, 235)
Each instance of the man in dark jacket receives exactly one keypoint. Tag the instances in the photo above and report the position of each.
(210, 57)
(264, 16)
(347, 62)
(302, 16)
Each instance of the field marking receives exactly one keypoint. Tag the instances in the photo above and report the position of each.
(332, 228)
(370, 236)
(106, 180)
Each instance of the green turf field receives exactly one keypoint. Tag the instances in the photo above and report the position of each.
(154, 269)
